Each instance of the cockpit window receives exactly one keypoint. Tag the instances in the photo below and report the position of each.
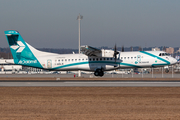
(163, 54)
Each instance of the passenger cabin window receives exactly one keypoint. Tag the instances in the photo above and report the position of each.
(124, 57)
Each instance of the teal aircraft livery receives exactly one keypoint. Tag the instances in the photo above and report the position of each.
(90, 59)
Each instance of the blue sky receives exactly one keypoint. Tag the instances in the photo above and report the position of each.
(53, 24)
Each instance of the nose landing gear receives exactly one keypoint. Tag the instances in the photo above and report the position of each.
(166, 70)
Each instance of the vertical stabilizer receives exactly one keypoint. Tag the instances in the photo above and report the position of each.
(20, 50)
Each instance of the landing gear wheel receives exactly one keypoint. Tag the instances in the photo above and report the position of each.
(96, 73)
(99, 72)
(166, 70)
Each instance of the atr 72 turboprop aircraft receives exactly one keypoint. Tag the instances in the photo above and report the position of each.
(91, 59)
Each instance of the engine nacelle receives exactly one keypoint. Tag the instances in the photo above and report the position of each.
(105, 53)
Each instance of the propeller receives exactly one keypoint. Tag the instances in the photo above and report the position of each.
(115, 53)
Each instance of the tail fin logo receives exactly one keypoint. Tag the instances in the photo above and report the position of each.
(19, 47)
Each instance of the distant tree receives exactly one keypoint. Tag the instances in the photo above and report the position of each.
(122, 49)
(164, 48)
(140, 49)
(131, 48)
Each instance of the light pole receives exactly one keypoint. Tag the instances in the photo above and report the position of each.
(79, 17)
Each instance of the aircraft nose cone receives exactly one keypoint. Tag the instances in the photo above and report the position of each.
(174, 61)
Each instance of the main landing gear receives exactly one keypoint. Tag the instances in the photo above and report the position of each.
(99, 72)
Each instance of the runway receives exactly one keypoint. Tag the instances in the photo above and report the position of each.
(90, 84)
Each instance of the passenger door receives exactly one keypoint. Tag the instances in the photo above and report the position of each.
(49, 63)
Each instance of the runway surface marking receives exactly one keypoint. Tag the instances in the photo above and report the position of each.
(90, 84)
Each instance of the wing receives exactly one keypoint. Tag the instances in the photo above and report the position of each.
(90, 51)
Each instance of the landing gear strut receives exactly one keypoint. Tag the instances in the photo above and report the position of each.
(99, 72)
